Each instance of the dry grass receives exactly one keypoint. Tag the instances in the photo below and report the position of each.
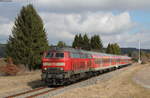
(16, 83)
(2, 62)
(120, 86)
(142, 77)
(23, 79)
(8, 68)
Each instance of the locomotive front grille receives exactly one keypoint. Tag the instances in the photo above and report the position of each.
(54, 70)
(53, 73)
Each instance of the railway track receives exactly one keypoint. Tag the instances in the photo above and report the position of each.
(46, 90)
(40, 91)
(33, 93)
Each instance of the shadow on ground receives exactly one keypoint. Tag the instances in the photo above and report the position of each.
(36, 83)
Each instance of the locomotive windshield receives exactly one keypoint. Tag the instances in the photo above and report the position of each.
(49, 55)
(59, 55)
(54, 55)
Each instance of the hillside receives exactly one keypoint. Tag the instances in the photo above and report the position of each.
(130, 50)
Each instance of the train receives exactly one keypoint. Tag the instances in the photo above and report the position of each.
(60, 65)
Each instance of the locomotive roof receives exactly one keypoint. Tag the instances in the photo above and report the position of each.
(87, 52)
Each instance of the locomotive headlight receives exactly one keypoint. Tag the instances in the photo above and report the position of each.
(44, 70)
(60, 64)
(61, 69)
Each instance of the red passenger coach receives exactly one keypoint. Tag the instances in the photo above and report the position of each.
(67, 64)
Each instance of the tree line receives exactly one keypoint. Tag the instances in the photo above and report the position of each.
(29, 40)
(86, 43)
(93, 44)
(113, 49)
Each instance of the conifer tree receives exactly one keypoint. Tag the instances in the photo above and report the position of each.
(96, 43)
(86, 42)
(117, 49)
(80, 41)
(113, 49)
(109, 49)
(75, 42)
(61, 44)
(28, 40)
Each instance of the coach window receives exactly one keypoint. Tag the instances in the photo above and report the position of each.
(107, 60)
(118, 60)
(86, 56)
(75, 55)
(103, 60)
(83, 55)
(72, 55)
(96, 61)
(99, 61)
(89, 56)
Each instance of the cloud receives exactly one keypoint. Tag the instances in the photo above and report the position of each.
(10, 9)
(5, 29)
(64, 18)
(107, 23)
(128, 39)
(65, 26)
(92, 5)
(3, 38)
(113, 28)
(5, 26)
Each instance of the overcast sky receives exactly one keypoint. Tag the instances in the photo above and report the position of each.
(121, 21)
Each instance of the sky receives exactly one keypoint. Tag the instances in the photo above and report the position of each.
(116, 21)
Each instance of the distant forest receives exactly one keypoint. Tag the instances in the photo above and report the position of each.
(123, 50)
(130, 50)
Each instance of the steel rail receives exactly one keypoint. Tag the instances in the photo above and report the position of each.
(26, 92)
(44, 92)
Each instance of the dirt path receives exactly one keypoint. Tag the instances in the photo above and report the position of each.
(119, 86)
(143, 77)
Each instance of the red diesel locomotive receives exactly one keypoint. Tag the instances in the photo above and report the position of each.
(67, 64)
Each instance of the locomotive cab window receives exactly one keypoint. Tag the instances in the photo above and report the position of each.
(59, 55)
(49, 55)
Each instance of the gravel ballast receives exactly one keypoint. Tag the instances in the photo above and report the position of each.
(117, 84)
